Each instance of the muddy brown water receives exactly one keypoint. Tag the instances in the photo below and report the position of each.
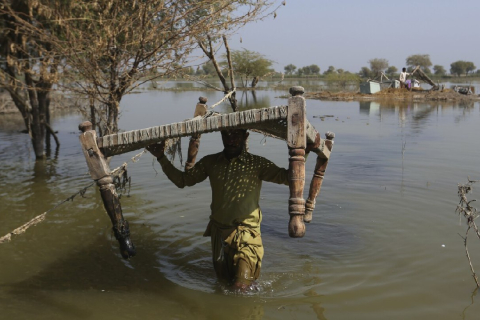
(383, 244)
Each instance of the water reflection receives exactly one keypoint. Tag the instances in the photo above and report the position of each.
(88, 269)
(249, 100)
(417, 113)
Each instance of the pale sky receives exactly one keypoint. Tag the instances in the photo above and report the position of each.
(348, 33)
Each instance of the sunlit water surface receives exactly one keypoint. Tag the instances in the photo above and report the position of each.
(383, 244)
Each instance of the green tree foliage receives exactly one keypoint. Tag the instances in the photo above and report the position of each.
(290, 69)
(462, 67)
(422, 60)
(250, 64)
(458, 68)
(208, 69)
(312, 69)
(377, 66)
(189, 71)
(109, 47)
(303, 71)
(365, 72)
(391, 71)
(439, 70)
(331, 69)
(470, 67)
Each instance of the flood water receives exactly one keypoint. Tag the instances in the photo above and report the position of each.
(383, 244)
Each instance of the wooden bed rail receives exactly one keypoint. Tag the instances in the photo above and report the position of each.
(284, 122)
(271, 121)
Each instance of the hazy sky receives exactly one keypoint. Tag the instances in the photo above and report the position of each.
(348, 33)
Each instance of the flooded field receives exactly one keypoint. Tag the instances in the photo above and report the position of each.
(383, 244)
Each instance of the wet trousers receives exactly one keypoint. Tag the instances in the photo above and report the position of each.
(237, 252)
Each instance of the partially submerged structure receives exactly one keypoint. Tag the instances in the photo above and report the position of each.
(288, 123)
(373, 85)
(422, 76)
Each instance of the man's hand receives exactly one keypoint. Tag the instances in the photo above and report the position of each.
(157, 149)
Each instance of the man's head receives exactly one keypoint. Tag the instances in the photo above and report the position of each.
(404, 70)
(233, 142)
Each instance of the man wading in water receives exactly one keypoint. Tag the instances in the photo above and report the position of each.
(236, 179)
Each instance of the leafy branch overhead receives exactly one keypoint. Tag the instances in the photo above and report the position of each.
(107, 48)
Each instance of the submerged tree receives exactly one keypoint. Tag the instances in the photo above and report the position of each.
(439, 70)
(110, 47)
(290, 69)
(28, 69)
(250, 64)
(458, 67)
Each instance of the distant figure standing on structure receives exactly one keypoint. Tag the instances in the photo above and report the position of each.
(404, 83)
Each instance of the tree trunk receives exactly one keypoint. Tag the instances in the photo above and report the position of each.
(29, 89)
(112, 118)
(37, 129)
(255, 81)
(211, 55)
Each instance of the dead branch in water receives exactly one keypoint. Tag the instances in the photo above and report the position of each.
(470, 213)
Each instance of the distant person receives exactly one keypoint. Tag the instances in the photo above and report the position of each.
(404, 83)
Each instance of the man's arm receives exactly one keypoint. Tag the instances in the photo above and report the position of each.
(275, 174)
(179, 178)
(272, 173)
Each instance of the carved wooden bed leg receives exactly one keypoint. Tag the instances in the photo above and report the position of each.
(200, 110)
(317, 179)
(296, 141)
(192, 151)
(100, 172)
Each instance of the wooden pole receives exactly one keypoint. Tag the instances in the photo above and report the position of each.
(317, 180)
(100, 172)
(194, 144)
(425, 78)
(296, 141)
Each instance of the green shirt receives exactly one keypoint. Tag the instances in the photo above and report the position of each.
(235, 184)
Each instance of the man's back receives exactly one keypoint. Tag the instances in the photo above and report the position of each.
(235, 184)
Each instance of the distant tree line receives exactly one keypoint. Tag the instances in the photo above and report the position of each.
(312, 70)
(377, 66)
(252, 66)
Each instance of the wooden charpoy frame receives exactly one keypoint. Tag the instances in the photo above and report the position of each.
(285, 122)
